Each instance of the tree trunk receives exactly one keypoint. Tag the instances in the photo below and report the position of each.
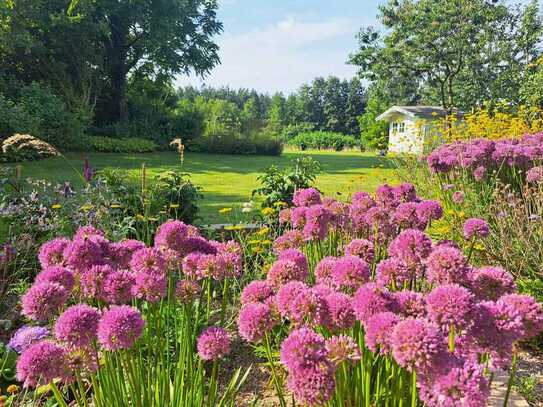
(117, 59)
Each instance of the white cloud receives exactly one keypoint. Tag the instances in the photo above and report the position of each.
(282, 56)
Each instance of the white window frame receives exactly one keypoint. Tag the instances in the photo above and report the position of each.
(401, 127)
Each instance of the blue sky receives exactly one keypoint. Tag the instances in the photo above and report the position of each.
(276, 45)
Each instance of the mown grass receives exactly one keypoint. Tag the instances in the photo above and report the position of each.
(228, 180)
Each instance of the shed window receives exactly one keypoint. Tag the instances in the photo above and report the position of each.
(401, 127)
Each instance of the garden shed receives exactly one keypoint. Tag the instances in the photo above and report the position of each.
(412, 126)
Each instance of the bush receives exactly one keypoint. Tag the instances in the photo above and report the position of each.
(292, 130)
(22, 147)
(323, 140)
(257, 144)
(121, 145)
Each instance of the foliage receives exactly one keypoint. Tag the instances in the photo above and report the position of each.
(457, 53)
(121, 145)
(257, 144)
(322, 140)
(22, 147)
(280, 185)
(292, 130)
(374, 133)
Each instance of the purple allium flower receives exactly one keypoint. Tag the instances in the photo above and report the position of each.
(293, 239)
(187, 291)
(80, 359)
(149, 260)
(85, 232)
(120, 253)
(213, 343)
(349, 273)
(78, 325)
(405, 192)
(363, 200)
(57, 274)
(447, 265)
(284, 216)
(211, 266)
(92, 280)
(297, 217)
(412, 247)
(392, 271)
(150, 286)
(490, 283)
(296, 256)
(309, 307)
(415, 343)
(386, 197)
(190, 266)
(410, 303)
(120, 327)
(291, 266)
(26, 336)
(256, 291)
(314, 385)
(286, 294)
(197, 244)
(51, 252)
(341, 349)
(458, 197)
(405, 216)
(317, 221)
(306, 197)
(379, 219)
(43, 300)
(302, 349)
(357, 217)
(450, 305)
(83, 253)
(340, 309)
(535, 175)
(170, 235)
(448, 243)
(530, 311)
(463, 385)
(479, 173)
(117, 287)
(362, 248)
(255, 320)
(370, 299)
(378, 329)
(41, 363)
(429, 210)
(475, 227)
(323, 270)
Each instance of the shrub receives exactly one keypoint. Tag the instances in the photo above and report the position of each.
(22, 147)
(121, 145)
(292, 130)
(322, 140)
(257, 144)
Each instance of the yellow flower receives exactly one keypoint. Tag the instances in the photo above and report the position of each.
(114, 206)
(461, 214)
(479, 247)
(253, 242)
(280, 204)
(162, 212)
(258, 250)
(56, 206)
(266, 242)
(174, 206)
(86, 207)
(140, 217)
(225, 210)
(229, 227)
(263, 231)
(12, 389)
(153, 219)
(238, 227)
(267, 211)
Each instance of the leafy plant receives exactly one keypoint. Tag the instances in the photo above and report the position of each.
(23, 147)
(121, 145)
(322, 140)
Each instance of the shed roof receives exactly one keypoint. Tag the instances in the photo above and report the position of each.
(422, 112)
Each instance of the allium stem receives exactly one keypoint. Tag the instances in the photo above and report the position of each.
(511, 378)
(278, 388)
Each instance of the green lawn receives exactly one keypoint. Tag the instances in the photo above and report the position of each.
(228, 180)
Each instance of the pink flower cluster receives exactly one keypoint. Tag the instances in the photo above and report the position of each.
(108, 276)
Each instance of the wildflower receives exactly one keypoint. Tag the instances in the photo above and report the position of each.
(149, 260)
(371, 299)
(41, 363)
(120, 254)
(412, 247)
(293, 239)
(450, 305)
(415, 343)
(286, 295)
(213, 343)
(149, 285)
(458, 197)
(82, 253)
(263, 231)
(267, 211)
(43, 300)
(170, 235)
(120, 327)
(447, 265)
(312, 386)
(186, 291)
(309, 307)
(410, 303)
(303, 348)
(392, 271)
(341, 349)
(530, 311)
(324, 269)
(292, 265)
(306, 197)
(297, 217)
(362, 248)
(534, 175)
(378, 329)
(26, 336)
(174, 206)
(77, 326)
(197, 244)
(225, 210)
(92, 281)
(475, 227)
(12, 389)
(56, 206)
(255, 319)
(349, 273)
(429, 210)
(490, 283)
(284, 216)
(256, 291)
(117, 287)
(59, 275)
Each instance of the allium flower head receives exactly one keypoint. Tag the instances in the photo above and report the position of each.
(120, 327)
(312, 386)
(149, 286)
(255, 320)
(197, 244)
(213, 343)
(415, 343)
(406, 216)
(324, 269)
(284, 216)
(306, 197)
(447, 265)
(92, 280)
(450, 305)
(296, 256)
(291, 266)
(43, 300)
(26, 336)
(378, 329)
(362, 248)
(190, 266)
(83, 253)
(349, 273)
(51, 252)
(410, 303)
(297, 217)
(530, 311)
(293, 239)
(170, 235)
(386, 196)
(429, 210)
(412, 247)
(309, 307)
(370, 299)
(57, 274)
(41, 363)
(287, 294)
(256, 291)
(117, 287)
(363, 200)
(392, 271)
(186, 291)
(476, 228)
(302, 349)
(458, 197)
(340, 310)
(317, 222)
(490, 283)
(535, 175)
(85, 232)
(78, 325)
(120, 253)
(149, 260)
(342, 348)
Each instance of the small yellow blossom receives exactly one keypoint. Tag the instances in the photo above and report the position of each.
(258, 250)
(263, 231)
(86, 207)
(12, 389)
(153, 219)
(56, 206)
(140, 217)
(174, 206)
(253, 242)
(280, 204)
(162, 212)
(266, 242)
(267, 211)
(114, 206)
(225, 210)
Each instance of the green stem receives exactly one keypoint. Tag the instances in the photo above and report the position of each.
(510, 382)
(273, 373)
